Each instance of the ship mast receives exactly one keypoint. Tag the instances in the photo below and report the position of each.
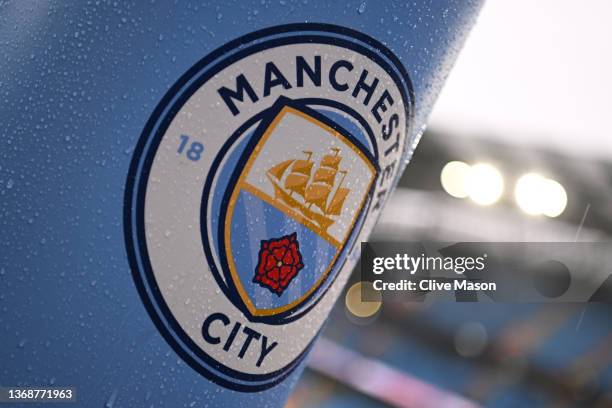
(299, 175)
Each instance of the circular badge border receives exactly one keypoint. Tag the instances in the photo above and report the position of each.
(140, 166)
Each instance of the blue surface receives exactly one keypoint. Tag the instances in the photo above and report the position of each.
(519, 396)
(588, 328)
(78, 81)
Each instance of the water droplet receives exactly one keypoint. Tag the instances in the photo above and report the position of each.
(10, 183)
(362, 8)
(111, 400)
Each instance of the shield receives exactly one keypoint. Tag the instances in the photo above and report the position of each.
(293, 204)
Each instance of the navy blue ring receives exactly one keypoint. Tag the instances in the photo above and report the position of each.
(135, 189)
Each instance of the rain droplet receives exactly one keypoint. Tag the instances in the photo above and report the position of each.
(362, 8)
(111, 400)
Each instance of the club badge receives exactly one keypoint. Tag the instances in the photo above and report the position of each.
(252, 183)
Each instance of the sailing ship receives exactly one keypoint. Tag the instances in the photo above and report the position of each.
(319, 195)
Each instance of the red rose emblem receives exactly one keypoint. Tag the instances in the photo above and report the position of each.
(280, 261)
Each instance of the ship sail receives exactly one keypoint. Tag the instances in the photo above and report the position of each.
(302, 167)
(299, 173)
(331, 161)
(323, 182)
(297, 183)
(317, 194)
(325, 175)
(335, 207)
(278, 170)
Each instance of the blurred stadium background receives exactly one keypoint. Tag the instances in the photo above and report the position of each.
(518, 149)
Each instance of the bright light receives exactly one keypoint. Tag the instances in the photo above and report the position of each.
(484, 184)
(537, 195)
(356, 306)
(527, 193)
(556, 199)
(454, 177)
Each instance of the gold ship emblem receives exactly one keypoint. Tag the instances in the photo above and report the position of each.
(319, 194)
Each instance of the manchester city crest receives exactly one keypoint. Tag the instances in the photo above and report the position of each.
(291, 205)
(253, 182)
